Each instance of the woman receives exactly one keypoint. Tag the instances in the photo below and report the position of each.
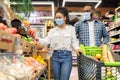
(62, 40)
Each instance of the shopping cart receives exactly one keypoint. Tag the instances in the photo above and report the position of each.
(90, 69)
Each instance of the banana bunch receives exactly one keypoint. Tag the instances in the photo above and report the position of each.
(39, 59)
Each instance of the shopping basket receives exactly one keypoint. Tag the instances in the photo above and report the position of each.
(90, 69)
(90, 50)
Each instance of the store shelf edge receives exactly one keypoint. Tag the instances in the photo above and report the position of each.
(114, 28)
(116, 50)
(114, 42)
(118, 33)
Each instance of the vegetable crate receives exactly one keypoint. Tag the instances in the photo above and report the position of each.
(26, 46)
(91, 50)
(90, 69)
(7, 41)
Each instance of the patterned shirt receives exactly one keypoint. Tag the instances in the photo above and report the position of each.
(64, 39)
(100, 32)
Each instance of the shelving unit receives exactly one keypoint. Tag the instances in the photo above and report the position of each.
(116, 27)
(114, 34)
(115, 38)
(114, 42)
(116, 50)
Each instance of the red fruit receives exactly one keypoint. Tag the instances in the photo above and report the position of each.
(5, 27)
(11, 30)
(31, 32)
(2, 26)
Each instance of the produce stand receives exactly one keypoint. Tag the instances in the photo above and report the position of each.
(9, 44)
(44, 53)
(12, 59)
(48, 68)
(7, 41)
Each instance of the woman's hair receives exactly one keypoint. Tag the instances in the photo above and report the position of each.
(63, 11)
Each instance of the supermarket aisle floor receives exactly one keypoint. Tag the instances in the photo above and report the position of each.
(74, 73)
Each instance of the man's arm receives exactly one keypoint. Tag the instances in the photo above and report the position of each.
(76, 25)
(105, 35)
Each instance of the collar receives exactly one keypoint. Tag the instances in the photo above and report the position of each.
(59, 28)
(93, 20)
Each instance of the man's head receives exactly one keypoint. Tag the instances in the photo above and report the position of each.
(88, 12)
(89, 7)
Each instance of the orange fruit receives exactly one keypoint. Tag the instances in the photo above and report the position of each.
(98, 56)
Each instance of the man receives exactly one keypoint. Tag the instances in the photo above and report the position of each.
(90, 31)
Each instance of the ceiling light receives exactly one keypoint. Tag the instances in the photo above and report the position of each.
(97, 1)
(75, 13)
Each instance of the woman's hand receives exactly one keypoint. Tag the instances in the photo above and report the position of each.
(37, 38)
(78, 51)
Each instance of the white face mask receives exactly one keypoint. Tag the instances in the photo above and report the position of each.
(86, 16)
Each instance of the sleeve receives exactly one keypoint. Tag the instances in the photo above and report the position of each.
(75, 41)
(105, 34)
(46, 40)
(77, 29)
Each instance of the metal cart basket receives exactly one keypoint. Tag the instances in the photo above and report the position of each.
(90, 69)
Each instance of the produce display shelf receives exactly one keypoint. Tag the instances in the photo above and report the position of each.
(7, 41)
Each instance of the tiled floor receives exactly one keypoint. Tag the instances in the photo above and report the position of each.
(74, 74)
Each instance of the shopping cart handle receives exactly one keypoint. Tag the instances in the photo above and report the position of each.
(114, 64)
(80, 52)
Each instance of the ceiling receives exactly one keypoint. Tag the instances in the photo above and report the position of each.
(105, 3)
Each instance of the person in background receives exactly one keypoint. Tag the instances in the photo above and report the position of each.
(91, 31)
(62, 40)
(97, 15)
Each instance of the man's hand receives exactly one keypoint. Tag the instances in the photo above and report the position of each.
(101, 46)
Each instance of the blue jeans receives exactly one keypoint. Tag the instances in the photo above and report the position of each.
(61, 64)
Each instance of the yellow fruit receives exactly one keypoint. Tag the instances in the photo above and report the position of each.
(98, 56)
(108, 73)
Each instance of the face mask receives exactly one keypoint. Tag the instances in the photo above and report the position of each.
(59, 21)
(86, 16)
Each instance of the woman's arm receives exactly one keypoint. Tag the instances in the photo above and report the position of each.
(46, 40)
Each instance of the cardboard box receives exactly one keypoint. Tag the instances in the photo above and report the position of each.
(7, 41)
